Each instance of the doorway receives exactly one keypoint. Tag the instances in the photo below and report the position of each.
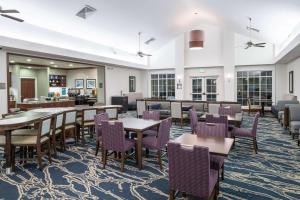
(204, 89)
(27, 88)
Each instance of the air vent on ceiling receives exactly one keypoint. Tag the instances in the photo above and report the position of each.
(86, 11)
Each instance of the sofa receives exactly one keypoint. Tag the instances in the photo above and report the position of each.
(294, 119)
(278, 109)
(163, 106)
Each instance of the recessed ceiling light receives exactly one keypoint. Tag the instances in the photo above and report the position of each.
(29, 67)
(52, 63)
(12, 61)
(70, 65)
(28, 60)
(55, 65)
(195, 13)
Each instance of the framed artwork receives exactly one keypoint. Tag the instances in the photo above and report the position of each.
(90, 83)
(79, 83)
(291, 82)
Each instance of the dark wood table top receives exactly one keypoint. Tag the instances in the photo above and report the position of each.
(136, 124)
(238, 117)
(216, 145)
(79, 108)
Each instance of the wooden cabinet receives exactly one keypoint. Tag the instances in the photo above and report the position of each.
(57, 81)
(120, 100)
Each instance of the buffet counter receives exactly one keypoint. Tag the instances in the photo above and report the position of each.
(45, 104)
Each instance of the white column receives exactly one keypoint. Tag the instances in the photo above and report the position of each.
(229, 67)
(3, 80)
(179, 66)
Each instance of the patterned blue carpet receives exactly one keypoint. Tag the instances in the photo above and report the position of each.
(274, 173)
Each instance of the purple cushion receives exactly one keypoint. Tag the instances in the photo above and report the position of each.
(150, 132)
(242, 132)
(150, 142)
(216, 161)
(129, 144)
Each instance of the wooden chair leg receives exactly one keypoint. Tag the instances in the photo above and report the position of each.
(82, 135)
(254, 145)
(63, 141)
(171, 194)
(159, 159)
(222, 173)
(181, 122)
(97, 148)
(54, 145)
(39, 156)
(104, 157)
(49, 152)
(122, 161)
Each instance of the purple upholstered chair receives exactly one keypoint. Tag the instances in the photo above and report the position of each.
(151, 115)
(222, 119)
(190, 172)
(242, 132)
(159, 142)
(226, 111)
(193, 119)
(113, 139)
(215, 130)
(98, 118)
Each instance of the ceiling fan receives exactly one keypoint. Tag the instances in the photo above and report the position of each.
(250, 43)
(4, 13)
(140, 53)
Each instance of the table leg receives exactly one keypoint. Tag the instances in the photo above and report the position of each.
(8, 152)
(139, 149)
(263, 108)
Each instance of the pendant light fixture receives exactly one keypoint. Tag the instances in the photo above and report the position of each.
(196, 39)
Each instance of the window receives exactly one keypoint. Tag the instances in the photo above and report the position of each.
(256, 85)
(163, 86)
(131, 83)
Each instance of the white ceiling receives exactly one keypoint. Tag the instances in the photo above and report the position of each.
(117, 22)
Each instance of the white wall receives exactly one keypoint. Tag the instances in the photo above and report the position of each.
(164, 57)
(117, 80)
(281, 79)
(74, 74)
(294, 66)
(252, 55)
(3, 79)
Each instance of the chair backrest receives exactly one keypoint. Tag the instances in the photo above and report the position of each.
(255, 123)
(70, 117)
(210, 129)
(140, 107)
(44, 128)
(213, 108)
(151, 115)
(193, 119)
(89, 114)
(176, 109)
(189, 169)
(226, 111)
(237, 107)
(113, 137)
(220, 119)
(294, 111)
(59, 120)
(163, 135)
(98, 121)
(112, 113)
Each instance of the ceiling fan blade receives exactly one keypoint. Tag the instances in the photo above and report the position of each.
(259, 46)
(262, 43)
(247, 47)
(9, 11)
(13, 18)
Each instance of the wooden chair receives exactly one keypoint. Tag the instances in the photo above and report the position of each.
(36, 141)
(70, 125)
(57, 131)
(176, 112)
(251, 108)
(87, 121)
(112, 113)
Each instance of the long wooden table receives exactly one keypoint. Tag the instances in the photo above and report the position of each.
(138, 126)
(24, 119)
(17, 121)
(235, 120)
(216, 145)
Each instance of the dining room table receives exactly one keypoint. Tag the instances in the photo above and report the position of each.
(7, 125)
(138, 126)
(216, 145)
(235, 120)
